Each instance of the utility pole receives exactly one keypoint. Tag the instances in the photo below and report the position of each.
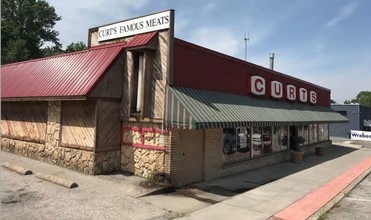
(246, 39)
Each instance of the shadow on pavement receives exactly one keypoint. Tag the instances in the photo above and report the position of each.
(238, 183)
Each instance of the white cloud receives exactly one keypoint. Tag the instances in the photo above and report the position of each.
(345, 79)
(209, 7)
(345, 12)
(181, 23)
(219, 39)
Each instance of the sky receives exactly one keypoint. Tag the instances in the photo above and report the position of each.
(327, 43)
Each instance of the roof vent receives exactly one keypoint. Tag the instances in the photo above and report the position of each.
(271, 60)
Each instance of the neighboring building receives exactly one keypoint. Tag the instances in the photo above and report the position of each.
(142, 101)
(359, 118)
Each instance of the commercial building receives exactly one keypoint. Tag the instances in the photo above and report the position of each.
(140, 100)
(359, 119)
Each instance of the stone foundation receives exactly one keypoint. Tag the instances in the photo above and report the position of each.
(143, 150)
(142, 162)
(52, 151)
(78, 160)
(107, 162)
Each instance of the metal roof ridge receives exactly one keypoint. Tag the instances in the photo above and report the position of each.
(122, 43)
(67, 54)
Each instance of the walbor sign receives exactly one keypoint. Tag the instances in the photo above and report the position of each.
(135, 26)
(360, 135)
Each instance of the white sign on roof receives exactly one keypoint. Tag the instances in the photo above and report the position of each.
(135, 26)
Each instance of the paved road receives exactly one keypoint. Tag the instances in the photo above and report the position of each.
(355, 205)
(27, 197)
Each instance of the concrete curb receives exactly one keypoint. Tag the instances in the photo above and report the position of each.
(327, 195)
(18, 169)
(327, 207)
(56, 180)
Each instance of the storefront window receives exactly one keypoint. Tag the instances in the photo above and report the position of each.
(311, 138)
(244, 142)
(276, 143)
(303, 138)
(313, 133)
(257, 141)
(322, 132)
(236, 144)
(284, 137)
(267, 140)
(280, 139)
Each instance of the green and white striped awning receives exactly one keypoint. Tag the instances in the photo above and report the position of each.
(198, 109)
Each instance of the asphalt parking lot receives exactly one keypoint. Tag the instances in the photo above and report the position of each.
(96, 197)
(27, 197)
(120, 196)
(355, 205)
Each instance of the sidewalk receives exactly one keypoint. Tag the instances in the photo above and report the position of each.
(298, 195)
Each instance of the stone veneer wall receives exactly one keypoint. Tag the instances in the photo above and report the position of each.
(53, 125)
(142, 162)
(107, 162)
(82, 161)
(140, 158)
(87, 162)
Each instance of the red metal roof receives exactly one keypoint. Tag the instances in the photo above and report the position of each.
(141, 39)
(64, 75)
(73, 74)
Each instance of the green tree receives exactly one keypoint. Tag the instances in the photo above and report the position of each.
(25, 26)
(73, 47)
(16, 50)
(56, 50)
(364, 98)
(52, 50)
(351, 101)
